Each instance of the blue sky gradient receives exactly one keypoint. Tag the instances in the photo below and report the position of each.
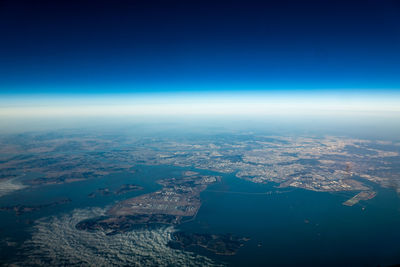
(132, 47)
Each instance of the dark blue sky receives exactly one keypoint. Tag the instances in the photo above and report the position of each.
(131, 46)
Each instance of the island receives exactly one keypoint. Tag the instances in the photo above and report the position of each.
(126, 188)
(21, 209)
(123, 189)
(179, 199)
(220, 244)
(364, 195)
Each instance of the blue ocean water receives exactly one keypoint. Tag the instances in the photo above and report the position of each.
(286, 226)
(300, 227)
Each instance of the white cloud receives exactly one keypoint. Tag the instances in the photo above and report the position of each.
(56, 242)
(202, 104)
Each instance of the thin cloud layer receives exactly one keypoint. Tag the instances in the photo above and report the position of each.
(56, 242)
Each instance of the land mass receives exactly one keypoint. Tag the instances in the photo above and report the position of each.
(125, 188)
(178, 199)
(365, 195)
(21, 209)
(328, 163)
(222, 244)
